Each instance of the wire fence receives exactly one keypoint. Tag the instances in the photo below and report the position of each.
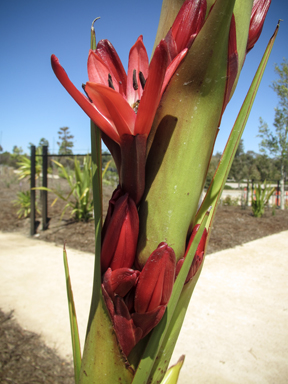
(242, 195)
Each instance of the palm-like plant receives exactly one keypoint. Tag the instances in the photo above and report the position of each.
(80, 184)
(262, 197)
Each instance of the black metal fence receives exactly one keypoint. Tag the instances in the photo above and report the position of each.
(44, 194)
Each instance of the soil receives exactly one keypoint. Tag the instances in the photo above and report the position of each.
(23, 358)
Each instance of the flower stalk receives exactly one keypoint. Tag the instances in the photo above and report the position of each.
(160, 122)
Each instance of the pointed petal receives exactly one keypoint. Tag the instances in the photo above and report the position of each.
(97, 69)
(108, 54)
(120, 281)
(160, 266)
(171, 44)
(120, 240)
(127, 333)
(189, 21)
(147, 321)
(172, 68)
(138, 61)
(103, 121)
(152, 92)
(127, 243)
(109, 101)
(258, 15)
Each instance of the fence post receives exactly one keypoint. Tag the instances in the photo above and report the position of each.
(44, 184)
(32, 192)
(247, 196)
(278, 194)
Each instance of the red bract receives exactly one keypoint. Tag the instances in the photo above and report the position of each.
(198, 257)
(121, 235)
(137, 300)
(258, 15)
(186, 26)
(156, 280)
(120, 281)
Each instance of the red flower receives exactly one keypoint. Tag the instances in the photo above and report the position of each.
(113, 101)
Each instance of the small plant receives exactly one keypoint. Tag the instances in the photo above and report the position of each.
(24, 202)
(24, 170)
(80, 183)
(261, 199)
(229, 201)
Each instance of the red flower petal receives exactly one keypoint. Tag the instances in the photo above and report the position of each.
(120, 240)
(138, 61)
(102, 120)
(152, 92)
(116, 106)
(189, 21)
(147, 321)
(108, 54)
(258, 15)
(98, 71)
(127, 333)
(156, 280)
(120, 281)
(172, 68)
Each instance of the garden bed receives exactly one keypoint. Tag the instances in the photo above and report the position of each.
(23, 358)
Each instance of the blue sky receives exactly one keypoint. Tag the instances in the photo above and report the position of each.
(33, 104)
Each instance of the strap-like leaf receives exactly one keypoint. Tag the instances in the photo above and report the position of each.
(73, 321)
(217, 184)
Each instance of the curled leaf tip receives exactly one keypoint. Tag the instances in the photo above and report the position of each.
(93, 22)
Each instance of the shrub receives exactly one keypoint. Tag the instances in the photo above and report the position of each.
(80, 183)
(24, 202)
(261, 199)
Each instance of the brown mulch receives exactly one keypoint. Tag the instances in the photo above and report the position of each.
(23, 357)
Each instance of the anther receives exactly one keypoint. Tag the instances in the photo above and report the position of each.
(142, 79)
(135, 84)
(110, 82)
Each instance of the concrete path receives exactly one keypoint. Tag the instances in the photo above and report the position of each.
(236, 328)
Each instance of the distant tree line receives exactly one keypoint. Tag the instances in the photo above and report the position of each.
(247, 166)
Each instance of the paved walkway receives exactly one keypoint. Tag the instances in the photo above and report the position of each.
(236, 328)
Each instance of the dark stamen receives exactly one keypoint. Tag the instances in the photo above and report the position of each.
(142, 79)
(110, 82)
(83, 86)
(135, 84)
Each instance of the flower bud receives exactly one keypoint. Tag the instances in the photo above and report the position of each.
(120, 281)
(121, 234)
(198, 257)
(258, 15)
(156, 280)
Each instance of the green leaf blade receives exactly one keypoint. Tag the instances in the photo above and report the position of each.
(73, 321)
